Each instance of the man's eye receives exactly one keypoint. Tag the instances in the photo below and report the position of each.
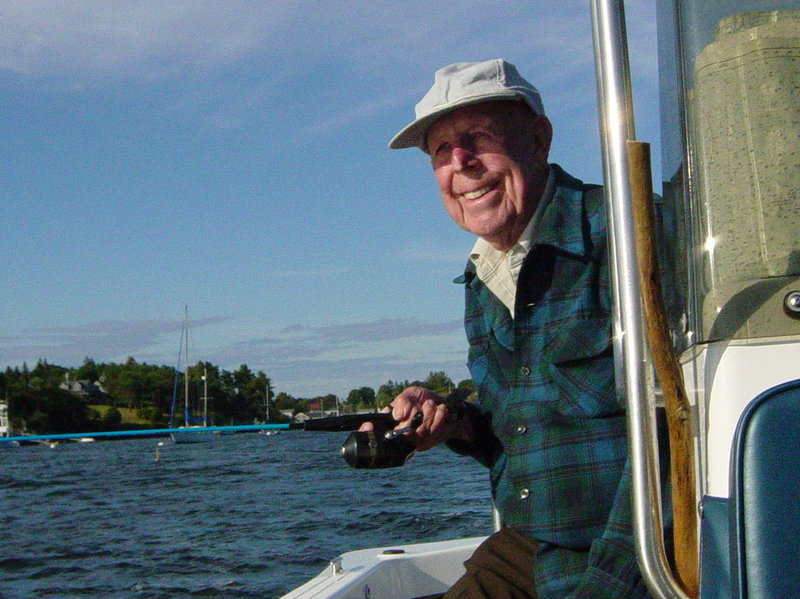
(482, 137)
(442, 150)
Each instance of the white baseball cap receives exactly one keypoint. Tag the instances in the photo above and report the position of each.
(461, 84)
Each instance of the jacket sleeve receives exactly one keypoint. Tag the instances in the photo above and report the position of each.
(612, 571)
(485, 446)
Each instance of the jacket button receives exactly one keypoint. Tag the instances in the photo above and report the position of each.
(524, 493)
(522, 429)
(525, 370)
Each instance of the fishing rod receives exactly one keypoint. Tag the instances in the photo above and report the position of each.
(382, 447)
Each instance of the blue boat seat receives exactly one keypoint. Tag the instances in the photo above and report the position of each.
(765, 497)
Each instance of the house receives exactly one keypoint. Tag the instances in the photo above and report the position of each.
(88, 390)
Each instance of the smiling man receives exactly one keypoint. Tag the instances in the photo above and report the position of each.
(490, 162)
(547, 424)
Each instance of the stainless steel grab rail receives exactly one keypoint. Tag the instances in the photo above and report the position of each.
(615, 109)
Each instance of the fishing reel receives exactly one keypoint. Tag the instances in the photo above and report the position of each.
(385, 446)
(376, 449)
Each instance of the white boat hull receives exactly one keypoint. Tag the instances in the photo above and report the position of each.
(192, 434)
(397, 572)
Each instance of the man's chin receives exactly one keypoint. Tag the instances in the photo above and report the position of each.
(487, 229)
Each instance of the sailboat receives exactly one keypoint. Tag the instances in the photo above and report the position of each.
(192, 429)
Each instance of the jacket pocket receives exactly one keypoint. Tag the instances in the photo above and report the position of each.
(581, 365)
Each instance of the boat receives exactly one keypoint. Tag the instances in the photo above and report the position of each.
(193, 430)
(5, 429)
(706, 282)
(5, 425)
(417, 570)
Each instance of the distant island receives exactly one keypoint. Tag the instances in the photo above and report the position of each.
(133, 395)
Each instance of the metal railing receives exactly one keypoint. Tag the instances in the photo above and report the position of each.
(616, 129)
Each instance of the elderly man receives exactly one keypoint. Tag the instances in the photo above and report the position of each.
(548, 424)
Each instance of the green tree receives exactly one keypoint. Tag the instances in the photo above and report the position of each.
(466, 384)
(240, 396)
(302, 405)
(284, 401)
(327, 403)
(50, 410)
(124, 383)
(242, 376)
(46, 375)
(439, 383)
(362, 399)
(112, 418)
(388, 391)
(152, 415)
(244, 397)
(88, 371)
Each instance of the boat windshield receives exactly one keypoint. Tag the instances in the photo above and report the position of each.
(731, 160)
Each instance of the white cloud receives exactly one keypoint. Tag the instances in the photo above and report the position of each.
(146, 37)
(155, 37)
(361, 59)
(108, 340)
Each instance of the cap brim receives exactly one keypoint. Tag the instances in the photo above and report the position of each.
(413, 134)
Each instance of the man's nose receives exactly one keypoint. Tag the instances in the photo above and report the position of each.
(463, 158)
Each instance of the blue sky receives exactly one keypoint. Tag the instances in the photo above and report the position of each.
(231, 156)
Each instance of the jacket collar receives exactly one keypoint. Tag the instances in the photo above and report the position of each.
(562, 224)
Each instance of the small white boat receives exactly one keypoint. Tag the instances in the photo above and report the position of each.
(5, 427)
(401, 571)
(192, 434)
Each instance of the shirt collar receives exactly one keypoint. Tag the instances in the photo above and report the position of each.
(557, 224)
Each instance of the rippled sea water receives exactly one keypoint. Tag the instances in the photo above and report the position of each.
(241, 516)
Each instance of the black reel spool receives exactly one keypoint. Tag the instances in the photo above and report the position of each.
(385, 448)
(371, 449)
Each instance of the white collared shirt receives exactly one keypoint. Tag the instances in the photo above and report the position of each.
(499, 270)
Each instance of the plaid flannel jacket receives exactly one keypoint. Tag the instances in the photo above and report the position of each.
(548, 424)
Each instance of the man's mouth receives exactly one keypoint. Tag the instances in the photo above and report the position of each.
(475, 194)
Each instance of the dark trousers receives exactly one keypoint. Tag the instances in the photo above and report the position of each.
(500, 568)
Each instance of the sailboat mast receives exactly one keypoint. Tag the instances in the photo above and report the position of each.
(266, 406)
(186, 365)
(205, 396)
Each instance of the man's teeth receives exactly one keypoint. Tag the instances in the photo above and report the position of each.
(471, 195)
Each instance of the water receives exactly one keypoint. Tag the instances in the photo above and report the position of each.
(241, 516)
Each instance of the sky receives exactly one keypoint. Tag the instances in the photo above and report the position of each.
(231, 156)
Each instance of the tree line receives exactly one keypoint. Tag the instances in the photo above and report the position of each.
(55, 399)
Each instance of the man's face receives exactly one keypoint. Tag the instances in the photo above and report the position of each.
(490, 163)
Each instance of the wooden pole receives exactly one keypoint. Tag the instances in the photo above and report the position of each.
(670, 377)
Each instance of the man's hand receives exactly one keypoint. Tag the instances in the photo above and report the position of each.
(438, 424)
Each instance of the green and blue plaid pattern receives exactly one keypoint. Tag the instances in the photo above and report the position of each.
(549, 425)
